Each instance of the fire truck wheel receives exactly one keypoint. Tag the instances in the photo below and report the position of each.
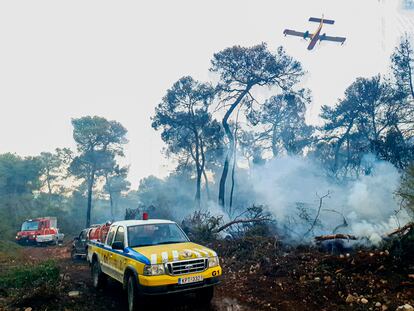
(205, 295)
(132, 292)
(98, 277)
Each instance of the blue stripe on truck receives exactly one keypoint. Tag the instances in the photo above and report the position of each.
(133, 254)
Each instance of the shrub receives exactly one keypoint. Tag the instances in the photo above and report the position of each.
(201, 226)
(30, 276)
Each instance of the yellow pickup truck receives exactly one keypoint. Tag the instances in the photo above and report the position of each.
(153, 257)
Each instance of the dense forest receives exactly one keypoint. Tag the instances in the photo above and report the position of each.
(235, 151)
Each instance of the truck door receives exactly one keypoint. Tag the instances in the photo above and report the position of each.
(107, 254)
(118, 260)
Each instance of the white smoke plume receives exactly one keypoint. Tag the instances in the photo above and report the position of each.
(365, 206)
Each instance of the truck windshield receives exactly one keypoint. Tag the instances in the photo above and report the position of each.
(155, 234)
(30, 225)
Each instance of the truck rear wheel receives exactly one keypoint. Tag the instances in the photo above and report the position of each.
(132, 292)
(98, 277)
(205, 295)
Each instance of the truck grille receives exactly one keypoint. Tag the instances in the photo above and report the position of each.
(187, 266)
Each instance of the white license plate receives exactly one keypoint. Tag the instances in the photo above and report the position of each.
(190, 279)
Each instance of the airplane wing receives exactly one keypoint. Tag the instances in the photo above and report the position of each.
(318, 20)
(334, 39)
(296, 33)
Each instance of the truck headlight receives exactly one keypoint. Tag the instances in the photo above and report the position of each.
(154, 269)
(213, 262)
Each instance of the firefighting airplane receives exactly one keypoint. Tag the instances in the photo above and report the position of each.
(317, 35)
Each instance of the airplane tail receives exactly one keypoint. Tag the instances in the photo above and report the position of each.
(318, 20)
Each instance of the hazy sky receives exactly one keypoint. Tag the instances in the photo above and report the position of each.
(116, 59)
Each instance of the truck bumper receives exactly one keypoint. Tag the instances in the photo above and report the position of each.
(49, 238)
(177, 288)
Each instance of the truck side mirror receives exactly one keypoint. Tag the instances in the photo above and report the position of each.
(118, 245)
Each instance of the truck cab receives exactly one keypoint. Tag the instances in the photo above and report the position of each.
(153, 257)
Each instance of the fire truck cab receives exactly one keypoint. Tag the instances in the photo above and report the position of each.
(42, 230)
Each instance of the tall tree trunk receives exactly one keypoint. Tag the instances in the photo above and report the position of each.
(198, 190)
(111, 201)
(222, 185)
(232, 183)
(234, 164)
(229, 134)
(275, 151)
(203, 167)
(339, 144)
(207, 186)
(49, 185)
(90, 190)
(199, 168)
(410, 79)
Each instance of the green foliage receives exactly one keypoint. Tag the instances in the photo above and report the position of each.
(171, 197)
(241, 69)
(98, 141)
(201, 226)
(248, 66)
(97, 133)
(54, 168)
(19, 179)
(8, 250)
(30, 276)
(402, 61)
(283, 117)
(19, 175)
(188, 128)
(367, 120)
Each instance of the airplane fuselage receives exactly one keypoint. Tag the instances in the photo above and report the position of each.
(315, 36)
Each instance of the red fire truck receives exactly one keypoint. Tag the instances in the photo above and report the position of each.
(42, 230)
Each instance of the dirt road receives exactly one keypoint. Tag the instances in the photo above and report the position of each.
(259, 274)
(76, 279)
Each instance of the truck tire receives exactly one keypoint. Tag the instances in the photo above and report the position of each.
(98, 277)
(205, 295)
(132, 293)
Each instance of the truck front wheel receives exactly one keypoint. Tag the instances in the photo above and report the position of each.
(132, 291)
(98, 277)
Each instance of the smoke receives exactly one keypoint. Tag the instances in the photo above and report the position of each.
(291, 188)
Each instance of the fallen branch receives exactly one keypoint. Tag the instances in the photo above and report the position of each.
(338, 236)
(240, 221)
(315, 221)
(403, 230)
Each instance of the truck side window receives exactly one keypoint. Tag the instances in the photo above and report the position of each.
(120, 235)
(110, 236)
